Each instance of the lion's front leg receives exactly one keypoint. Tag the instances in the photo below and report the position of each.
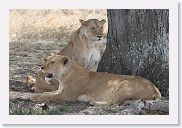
(48, 96)
(60, 90)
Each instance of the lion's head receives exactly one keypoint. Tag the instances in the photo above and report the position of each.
(55, 66)
(92, 29)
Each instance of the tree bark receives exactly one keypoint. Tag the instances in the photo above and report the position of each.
(138, 44)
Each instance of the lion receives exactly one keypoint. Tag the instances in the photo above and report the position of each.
(41, 83)
(84, 43)
(78, 84)
(86, 48)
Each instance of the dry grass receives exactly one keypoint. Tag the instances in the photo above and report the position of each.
(34, 34)
(48, 25)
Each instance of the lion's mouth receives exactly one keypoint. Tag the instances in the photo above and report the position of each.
(48, 77)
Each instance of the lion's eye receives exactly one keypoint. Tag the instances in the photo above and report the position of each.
(52, 62)
(101, 28)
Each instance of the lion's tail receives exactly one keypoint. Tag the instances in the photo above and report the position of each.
(158, 94)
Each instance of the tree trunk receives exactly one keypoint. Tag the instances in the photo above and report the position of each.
(138, 44)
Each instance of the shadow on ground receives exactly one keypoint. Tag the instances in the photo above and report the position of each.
(25, 58)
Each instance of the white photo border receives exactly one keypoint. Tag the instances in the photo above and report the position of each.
(172, 5)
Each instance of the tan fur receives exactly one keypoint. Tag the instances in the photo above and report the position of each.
(83, 44)
(79, 84)
(41, 85)
(36, 83)
(84, 48)
(30, 81)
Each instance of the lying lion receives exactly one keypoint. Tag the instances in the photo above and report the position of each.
(42, 83)
(78, 84)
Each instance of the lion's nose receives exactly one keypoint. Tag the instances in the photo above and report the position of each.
(50, 75)
(99, 37)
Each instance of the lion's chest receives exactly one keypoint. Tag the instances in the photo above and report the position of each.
(95, 55)
(92, 58)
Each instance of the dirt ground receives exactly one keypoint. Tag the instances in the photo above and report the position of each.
(34, 34)
(25, 59)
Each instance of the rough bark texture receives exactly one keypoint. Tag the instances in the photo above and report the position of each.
(138, 44)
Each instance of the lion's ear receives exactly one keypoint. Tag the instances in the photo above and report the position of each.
(103, 21)
(82, 22)
(65, 60)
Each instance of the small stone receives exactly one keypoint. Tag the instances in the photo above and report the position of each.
(43, 106)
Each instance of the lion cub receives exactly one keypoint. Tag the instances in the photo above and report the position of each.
(41, 83)
(78, 84)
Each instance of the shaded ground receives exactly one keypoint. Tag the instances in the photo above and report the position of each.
(34, 34)
(25, 59)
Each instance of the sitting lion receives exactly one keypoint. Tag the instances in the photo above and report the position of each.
(78, 84)
(84, 47)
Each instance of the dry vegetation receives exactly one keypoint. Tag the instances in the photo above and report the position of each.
(51, 25)
(33, 35)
